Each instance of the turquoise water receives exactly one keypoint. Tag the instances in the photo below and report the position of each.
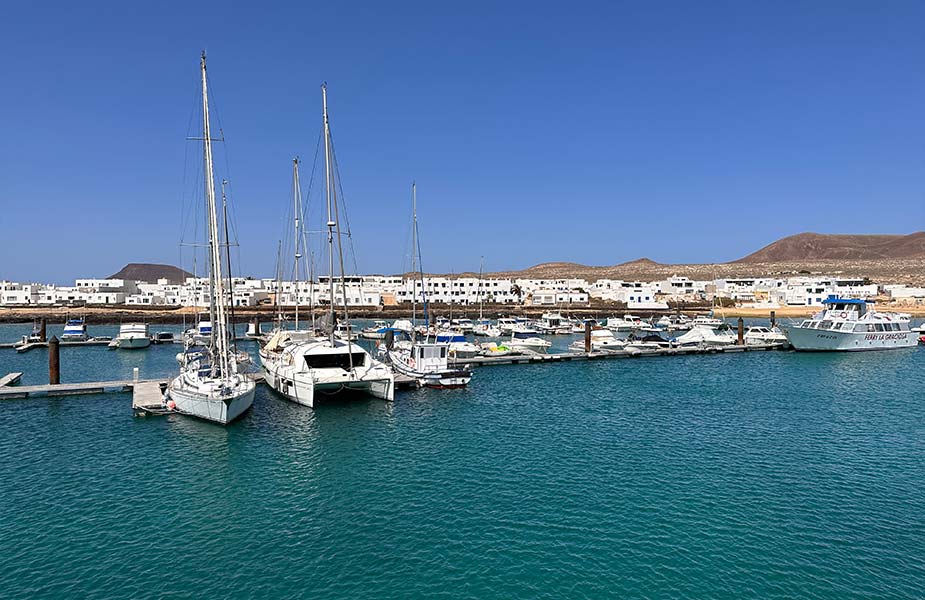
(763, 475)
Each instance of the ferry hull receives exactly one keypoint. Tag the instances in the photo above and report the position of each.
(836, 341)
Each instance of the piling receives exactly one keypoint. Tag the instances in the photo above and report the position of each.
(773, 318)
(587, 336)
(389, 339)
(135, 374)
(54, 361)
(741, 339)
(42, 328)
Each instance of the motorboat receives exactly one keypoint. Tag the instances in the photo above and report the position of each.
(464, 324)
(601, 339)
(75, 330)
(553, 323)
(428, 364)
(764, 335)
(702, 335)
(199, 335)
(506, 325)
(525, 339)
(706, 321)
(163, 337)
(621, 326)
(132, 336)
(846, 324)
(344, 331)
(459, 346)
(484, 328)
(376, 331)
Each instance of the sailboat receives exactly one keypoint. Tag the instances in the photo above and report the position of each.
(426, 362)
(483, 326)
(209, 385)
(299, 369)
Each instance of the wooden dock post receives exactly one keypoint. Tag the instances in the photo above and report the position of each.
(42, 330)
(773, 318)
(389, 339)
(54, 361)
(741, 339)
(587, 336)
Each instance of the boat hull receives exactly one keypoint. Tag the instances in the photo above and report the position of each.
(218, 409)
(816, 340)
(301, 388)
(132, 343)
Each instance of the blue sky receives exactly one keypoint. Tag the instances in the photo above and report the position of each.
(586, 132)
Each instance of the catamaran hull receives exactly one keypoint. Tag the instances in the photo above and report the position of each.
(222, 410)
(301, 389)
(820, 341)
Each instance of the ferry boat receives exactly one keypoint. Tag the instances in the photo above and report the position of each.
(851, 325)
(75, 330)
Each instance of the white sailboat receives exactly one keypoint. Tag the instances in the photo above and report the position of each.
(300, 365)
(428, 362)
(209, 385)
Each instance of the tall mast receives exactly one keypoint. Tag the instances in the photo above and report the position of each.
(414, 252)
(481, 268)
(331, 223)
(296, 206)
(219, 339)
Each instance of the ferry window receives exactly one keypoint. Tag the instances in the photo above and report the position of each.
(878, 326)
(894, 326)
(443, 352)
(860, 328)
(825, 324)
(847, 326)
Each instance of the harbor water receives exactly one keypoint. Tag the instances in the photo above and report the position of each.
(760, 475)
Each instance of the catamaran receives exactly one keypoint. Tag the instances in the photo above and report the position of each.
(301, 365)
(209, 385)
(851, 325)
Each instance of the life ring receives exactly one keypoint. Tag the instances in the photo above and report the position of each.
(843, 315)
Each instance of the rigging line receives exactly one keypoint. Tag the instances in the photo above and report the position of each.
(339, 183)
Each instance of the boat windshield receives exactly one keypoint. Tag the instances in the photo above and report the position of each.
(335, 361)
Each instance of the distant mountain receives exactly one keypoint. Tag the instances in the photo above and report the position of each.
(821, 246)
(151, 273)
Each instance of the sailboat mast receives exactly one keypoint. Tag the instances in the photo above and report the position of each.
(216, 284)
(414, 252)
(296, 195)
(481, 268)
(331, 223)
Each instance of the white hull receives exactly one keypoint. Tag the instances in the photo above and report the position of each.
(131, 343)
(216, 407)
(848, 341)
(302, 389)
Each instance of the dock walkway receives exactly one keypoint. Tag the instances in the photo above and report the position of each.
(10, 379)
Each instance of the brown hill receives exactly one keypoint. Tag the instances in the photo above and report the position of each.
(151, 273)
(820, 246)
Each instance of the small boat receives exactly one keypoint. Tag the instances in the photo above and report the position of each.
(464, 324)
(344, 331)
(524, 339)
(428, 363)
(200, 335)
(163, 337)
(506, 325)
(484, 328)
(847, 324)
(132, 336)
(764, 335)
(702, 335)
(376, 332)
(553, 323)
(253, 331)
(707, 321)
(459, 346)
(601, 339)
(495, 349)
(75, 330)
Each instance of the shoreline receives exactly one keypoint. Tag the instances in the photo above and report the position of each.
(113, 314)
